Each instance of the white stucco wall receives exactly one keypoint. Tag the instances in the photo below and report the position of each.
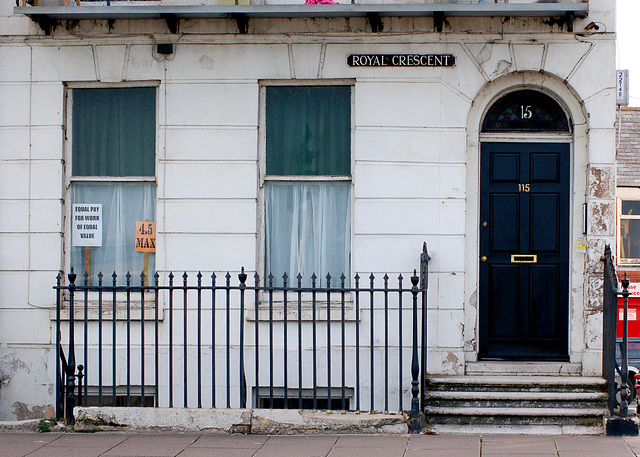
(415, 157)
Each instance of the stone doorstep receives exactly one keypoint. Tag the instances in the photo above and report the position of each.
(587, 381)
(524, 412)
(517, 395)
(572, 430)
(519, 368)
(253, 421)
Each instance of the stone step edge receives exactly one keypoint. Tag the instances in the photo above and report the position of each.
(522, 368)
(564, 381)
(528, 429)
(515, 395)
(525, 412)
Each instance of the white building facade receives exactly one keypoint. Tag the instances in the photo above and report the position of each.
(396, 130)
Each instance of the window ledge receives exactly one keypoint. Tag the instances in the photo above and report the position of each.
(107, 313)
(306, 313)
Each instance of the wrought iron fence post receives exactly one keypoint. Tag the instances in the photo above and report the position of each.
(59, 387)
(424, 285)
(610, 317)
(80, 375)
(624, 394)
(415, 419)
(70, 367)
(243, 381)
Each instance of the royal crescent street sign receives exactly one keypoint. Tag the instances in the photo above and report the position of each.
(401, 60)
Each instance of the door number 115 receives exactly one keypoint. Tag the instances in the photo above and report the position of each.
(524, 187)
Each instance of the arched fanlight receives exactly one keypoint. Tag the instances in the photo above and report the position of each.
(527, 110)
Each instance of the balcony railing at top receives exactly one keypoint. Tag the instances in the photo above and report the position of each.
(52, 3)
(49, 13)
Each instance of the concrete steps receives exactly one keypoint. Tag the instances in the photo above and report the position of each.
(516, 401)
(519, 399)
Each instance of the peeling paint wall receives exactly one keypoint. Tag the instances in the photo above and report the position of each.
(26, 388)
(23, 412)
(9, 366)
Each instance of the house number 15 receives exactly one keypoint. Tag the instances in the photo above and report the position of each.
(525, 112)
(524, 187)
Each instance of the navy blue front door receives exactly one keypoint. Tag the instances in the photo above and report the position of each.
(524, 251)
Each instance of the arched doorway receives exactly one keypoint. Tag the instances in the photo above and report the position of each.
(525, 174)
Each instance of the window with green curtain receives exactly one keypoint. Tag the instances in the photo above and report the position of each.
(114, 132)
(113, 136)
(308, 221)
(308, 130)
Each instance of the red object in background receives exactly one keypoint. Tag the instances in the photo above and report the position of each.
(633, 317)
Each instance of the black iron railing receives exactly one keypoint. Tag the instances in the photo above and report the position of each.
(237, 344)
(619, 393)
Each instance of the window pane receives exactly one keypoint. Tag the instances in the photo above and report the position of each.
(308, 130)
(308, 230)
(114, 132)
(631, 207)
(630, 238)
(123, 204)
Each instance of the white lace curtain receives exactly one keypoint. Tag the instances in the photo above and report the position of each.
(308, 231)
(123, 204)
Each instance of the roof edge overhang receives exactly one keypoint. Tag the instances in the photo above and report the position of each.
(48, 15)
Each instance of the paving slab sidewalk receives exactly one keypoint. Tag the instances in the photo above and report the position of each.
(166, 444)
